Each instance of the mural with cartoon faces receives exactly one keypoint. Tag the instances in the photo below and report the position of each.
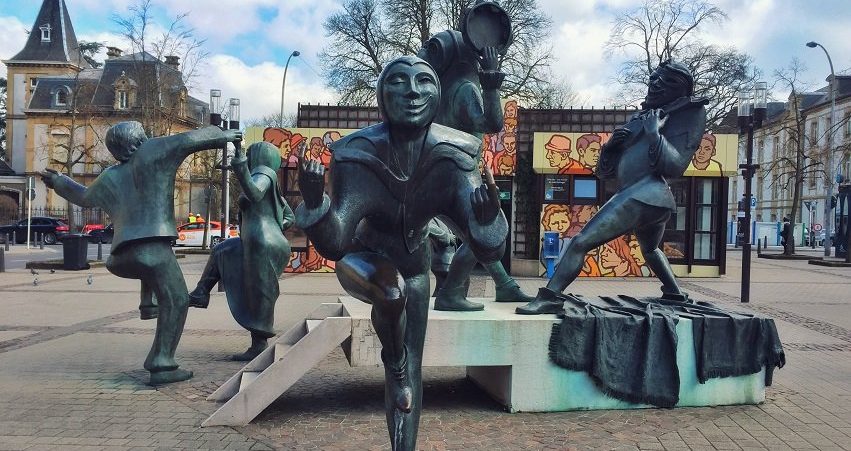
(499, 150)
(614, 259)
(578, 153)
(291, 142)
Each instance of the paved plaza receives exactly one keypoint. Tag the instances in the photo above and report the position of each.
(71, 378)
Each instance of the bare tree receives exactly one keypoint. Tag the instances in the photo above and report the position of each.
(659, 30)
(367, 34)
(162, 93)
(273, 120)
(75, 136)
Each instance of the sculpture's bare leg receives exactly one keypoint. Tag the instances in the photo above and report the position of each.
(200, 296)
(148, 308)
(453, 295)
(649, 238)
(373, 278)
(153, 262)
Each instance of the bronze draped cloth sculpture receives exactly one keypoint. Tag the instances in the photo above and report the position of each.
(657, 142)
(388, 181)
(138, 194)
(249, 266)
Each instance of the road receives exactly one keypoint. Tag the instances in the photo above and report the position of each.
(18, 255)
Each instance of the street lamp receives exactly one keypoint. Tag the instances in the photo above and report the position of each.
(233, 124)
(752, 107)
(828, 177)
(284, 83)
(216, 107)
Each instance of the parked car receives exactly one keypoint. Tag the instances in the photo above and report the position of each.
(192, 234)
(101, 235)
(89, 228)
(52, 228)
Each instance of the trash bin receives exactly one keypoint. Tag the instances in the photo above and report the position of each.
(551, 251)
(75, 249)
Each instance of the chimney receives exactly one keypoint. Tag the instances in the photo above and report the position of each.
(113, 52)
(173, 62)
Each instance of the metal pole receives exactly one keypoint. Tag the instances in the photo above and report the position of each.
(100, 249)
(828, 169)
(29, 209)
(2, 260)
(747, 172)
(224, 211)
(284, 83)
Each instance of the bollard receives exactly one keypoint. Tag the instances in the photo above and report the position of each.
(6, 245)
(2, 260)
(14, 237)
(41, 241)
(759, 246)
(100, 251)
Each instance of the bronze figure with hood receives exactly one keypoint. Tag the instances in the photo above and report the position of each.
(387, 182)
(249, 266)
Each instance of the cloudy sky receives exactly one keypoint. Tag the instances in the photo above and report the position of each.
(249, 41)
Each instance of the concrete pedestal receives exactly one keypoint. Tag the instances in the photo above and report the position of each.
(506, 355)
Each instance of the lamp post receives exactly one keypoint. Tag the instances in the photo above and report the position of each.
(215, 119)
(233, 124)
(752, 107)
(828, 169)
(284, 83)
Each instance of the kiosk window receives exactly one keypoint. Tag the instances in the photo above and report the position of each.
(585, 190)
(556, 189)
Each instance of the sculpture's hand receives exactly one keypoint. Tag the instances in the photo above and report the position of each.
(311, 180)
(654, 121)
(49, 177)
(619, 136)
(489, 59)
(485, 200)
(233, 136)
(239, 157)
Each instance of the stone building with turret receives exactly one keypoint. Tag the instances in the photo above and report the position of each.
(59, 107)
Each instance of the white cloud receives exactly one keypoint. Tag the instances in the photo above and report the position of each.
(259, 87)
(12, 39)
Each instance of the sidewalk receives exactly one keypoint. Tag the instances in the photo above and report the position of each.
(71, 376)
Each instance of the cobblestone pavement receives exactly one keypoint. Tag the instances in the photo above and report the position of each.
(71, 377)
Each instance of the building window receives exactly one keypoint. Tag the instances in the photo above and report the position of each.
(33, 83)
(122, 100)
(847, 124)
(45, 33)
(705, 212)
(61, 97)
(813, 133)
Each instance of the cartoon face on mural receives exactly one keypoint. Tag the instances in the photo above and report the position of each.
(702, 159)
(588, 150)
(616, 259)
(510, 109)
(558, 151)
(556, 218)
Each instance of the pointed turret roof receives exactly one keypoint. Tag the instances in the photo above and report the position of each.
(58, 45)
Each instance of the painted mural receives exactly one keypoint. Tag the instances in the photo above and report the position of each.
(620, 257)
(499, 150)
(291, 142)
(578, 154)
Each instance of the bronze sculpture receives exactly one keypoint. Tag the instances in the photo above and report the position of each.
(250, 265)
(657, 142)
(137, 193)
(387, 182)
(470, 102)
